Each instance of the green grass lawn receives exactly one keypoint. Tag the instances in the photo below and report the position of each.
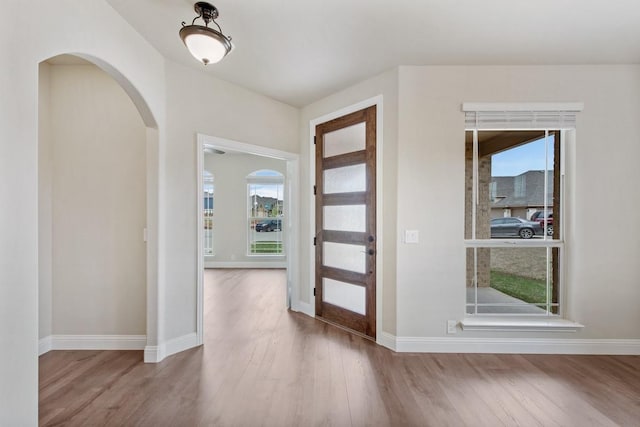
(266, 248)
(524, 288)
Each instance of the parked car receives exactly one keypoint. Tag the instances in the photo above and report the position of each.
(515, 227)
(269, 225)
(538, 216)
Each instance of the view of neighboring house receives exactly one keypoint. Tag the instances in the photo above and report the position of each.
(264, 206)
(520, 195)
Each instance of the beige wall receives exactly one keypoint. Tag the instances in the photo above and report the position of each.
(601, 270)
(230, 207)
(95, 177)
(386, 85)
(90, 28)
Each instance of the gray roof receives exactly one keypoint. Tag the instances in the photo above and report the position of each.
(524, 190)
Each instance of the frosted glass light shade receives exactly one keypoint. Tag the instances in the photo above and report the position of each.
(205, 44)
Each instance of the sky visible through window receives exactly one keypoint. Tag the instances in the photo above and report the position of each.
(516, 161)
(266, 190)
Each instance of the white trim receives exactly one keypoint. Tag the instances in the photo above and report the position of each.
(155, 241)
(519, 324)
(303, 307)
(378, 102)
(176, 345)
(200, 260)
(45, 345)
(245, 264)
(231, 146)
(157, 353)
(91, 342)
(510, 243)
(152, 354)
(523, 106)
(518, 345)
(291, 221)
(388, 340)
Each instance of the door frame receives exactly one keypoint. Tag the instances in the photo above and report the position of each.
(378, 102)
(292, 220)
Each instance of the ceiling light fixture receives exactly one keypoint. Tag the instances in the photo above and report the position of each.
(205, 44)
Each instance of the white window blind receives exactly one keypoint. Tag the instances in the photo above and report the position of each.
(494, 116)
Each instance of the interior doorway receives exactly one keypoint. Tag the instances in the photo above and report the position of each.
(288, 223)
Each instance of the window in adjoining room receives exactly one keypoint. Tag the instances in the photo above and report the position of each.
(265, 189)
(208, 188)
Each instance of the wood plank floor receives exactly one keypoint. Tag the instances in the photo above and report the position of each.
(264, 366)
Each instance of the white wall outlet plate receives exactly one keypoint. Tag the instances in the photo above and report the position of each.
(452, 326)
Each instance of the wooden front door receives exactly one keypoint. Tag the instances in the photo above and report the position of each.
(345, 241)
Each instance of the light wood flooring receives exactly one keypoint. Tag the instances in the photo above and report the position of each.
(264, 366)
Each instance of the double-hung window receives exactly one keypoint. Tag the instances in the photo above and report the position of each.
(208, 188)
(515, 207)
(265, 191)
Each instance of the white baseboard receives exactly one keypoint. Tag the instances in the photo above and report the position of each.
(513, 345)
(152, 354)
(245, 264)
(387, 340)
(157, 353)
(303, 307)
(91, 342)
(182, 343)
(44, 345)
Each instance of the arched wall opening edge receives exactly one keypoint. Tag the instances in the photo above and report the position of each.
(154, 300)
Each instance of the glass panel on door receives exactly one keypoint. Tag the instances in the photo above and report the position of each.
(345, 140)
(345, 218)
(346, 179)
(345, 295)
(344, 256)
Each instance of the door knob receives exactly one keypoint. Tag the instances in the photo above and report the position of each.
(371, 252)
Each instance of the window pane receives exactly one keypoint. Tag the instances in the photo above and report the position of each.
(511, 280)
(208, 238)
(266, 214)
(266, 200)
(516, 176)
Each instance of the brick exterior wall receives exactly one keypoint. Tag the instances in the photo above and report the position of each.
(483, 215)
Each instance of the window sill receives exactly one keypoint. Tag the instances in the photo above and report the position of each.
(281, 256)
(517, 324)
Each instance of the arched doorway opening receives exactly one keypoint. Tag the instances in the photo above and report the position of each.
(97, 215)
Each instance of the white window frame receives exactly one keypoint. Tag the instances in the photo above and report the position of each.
(512, 117)
(208, 180)
(254, 179)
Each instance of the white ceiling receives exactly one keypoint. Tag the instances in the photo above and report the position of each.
(298, 51)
